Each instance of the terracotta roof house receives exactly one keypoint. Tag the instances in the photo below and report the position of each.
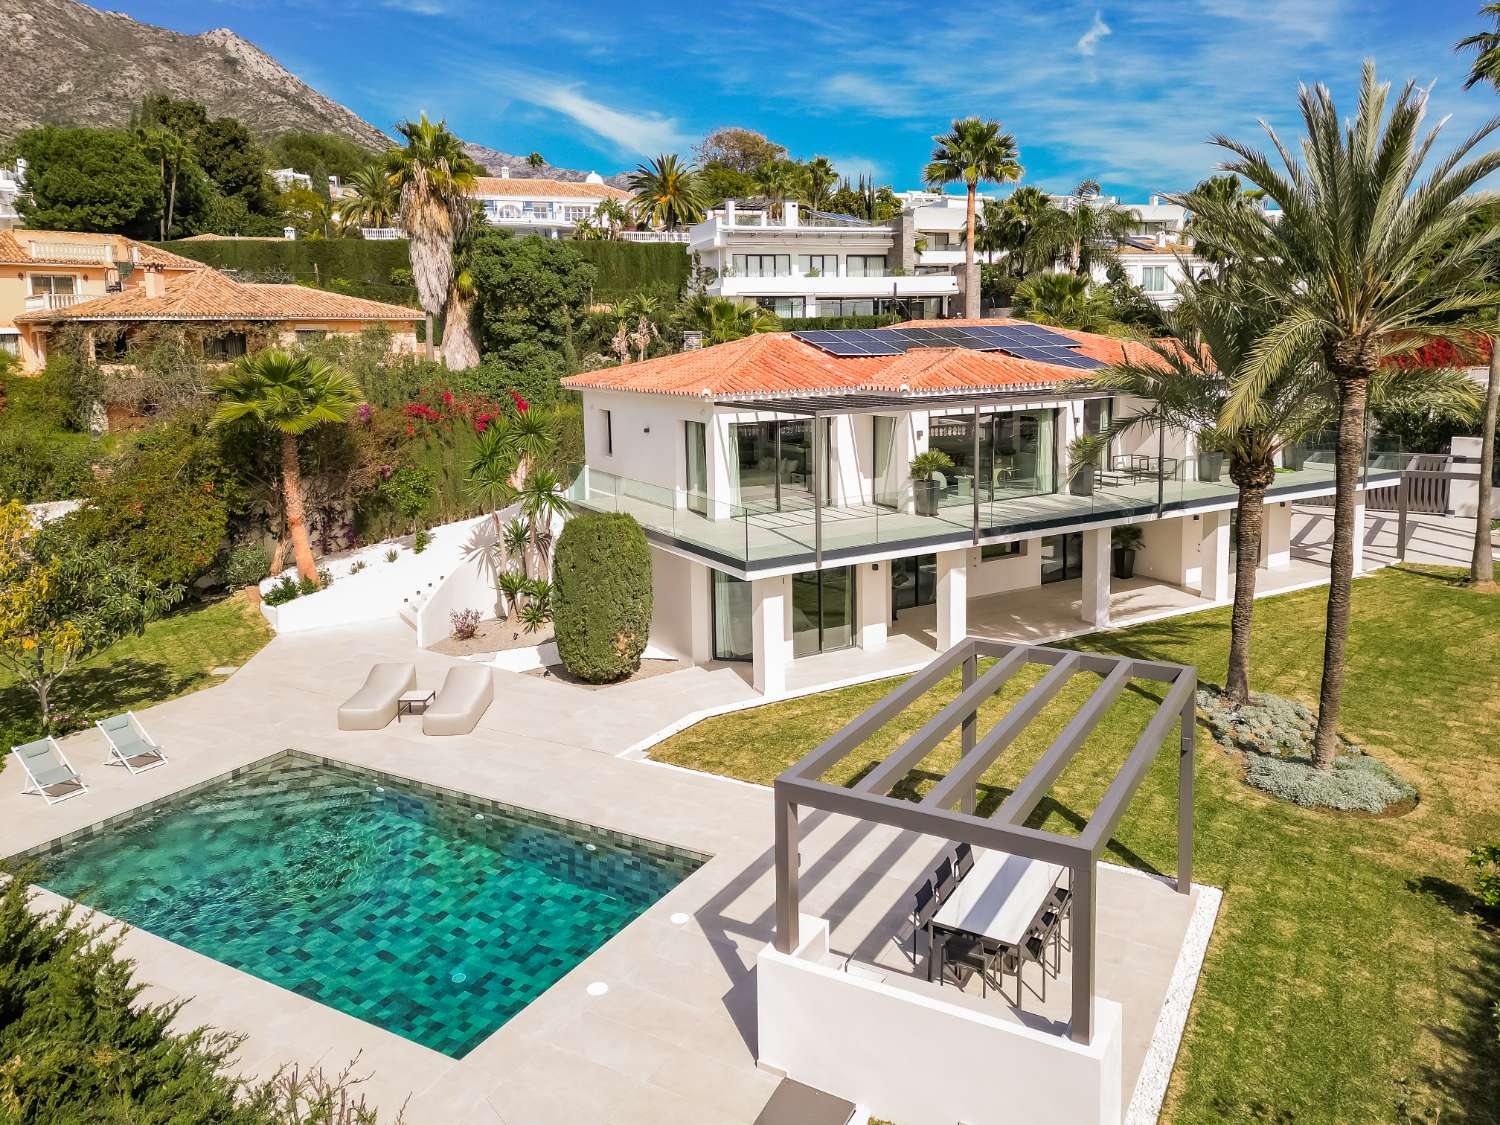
(45, 270)
(552, 208)
(788, 486)
(228, 317)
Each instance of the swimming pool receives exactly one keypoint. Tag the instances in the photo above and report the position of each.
(431, 914)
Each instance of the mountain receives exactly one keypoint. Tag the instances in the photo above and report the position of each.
(493, 160)
(69, 64)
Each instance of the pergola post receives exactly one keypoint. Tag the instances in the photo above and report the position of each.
(968, 732)
(1081, 935)
(818, 456)
(976, 474)
(787, 899)
(1185, 763)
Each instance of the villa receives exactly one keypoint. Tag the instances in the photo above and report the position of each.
(550, 208)
(772, 477)
(226, 316)
(12, 184)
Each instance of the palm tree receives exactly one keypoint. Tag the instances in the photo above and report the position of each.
(611, 217)
(1061, 299)
(434, 176)
(972, 151)
(290, 394)
(376, 202)
(668, 193)
(721, 319)
(1370, 261)
(778, 181)
(1486, 68)
(1087, 232)
(169, 149)
(535, 161)
(820, 176)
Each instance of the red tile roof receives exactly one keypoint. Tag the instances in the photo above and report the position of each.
(777, 363)
(544, 189)
(210, 295)
(40, 247)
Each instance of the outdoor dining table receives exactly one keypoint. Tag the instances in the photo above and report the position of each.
(999, 899)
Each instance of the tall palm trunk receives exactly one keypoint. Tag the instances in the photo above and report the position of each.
(296, 523)
(427, 334)
(971, 291)
(1482, 565)
(172, 199)
(1353, 377)
(1253, 480)
(460, 352)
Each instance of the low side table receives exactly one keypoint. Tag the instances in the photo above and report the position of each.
(408, 702)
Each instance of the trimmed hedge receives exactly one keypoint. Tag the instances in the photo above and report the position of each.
(810, 323)
(628, 267)
(364, 268)
(601, 577)
(348, 265)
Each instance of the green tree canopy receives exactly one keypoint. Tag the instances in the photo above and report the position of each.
(530, 295)
(88, 180)
(320, 155)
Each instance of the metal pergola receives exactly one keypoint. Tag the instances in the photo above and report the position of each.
(948, 810)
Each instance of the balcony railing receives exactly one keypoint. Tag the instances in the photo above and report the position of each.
(97, 252)
(39, 301)
(923, 517)
(655, 236)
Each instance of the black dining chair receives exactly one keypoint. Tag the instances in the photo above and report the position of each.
(966, 954)
(963, 860)
(924, 906)
(943, 879)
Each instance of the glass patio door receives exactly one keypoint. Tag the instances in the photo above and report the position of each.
(822, 610)
(773, 467)
(913, 582)
(1062, 557)
(696, 436)
(733, 639)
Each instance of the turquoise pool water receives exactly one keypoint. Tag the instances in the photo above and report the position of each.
(437, 918)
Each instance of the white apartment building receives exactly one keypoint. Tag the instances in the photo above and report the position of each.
(12, 184)
(551, 208)
(772, 478)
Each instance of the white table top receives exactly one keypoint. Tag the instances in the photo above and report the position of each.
(416, 696)
(999, 897)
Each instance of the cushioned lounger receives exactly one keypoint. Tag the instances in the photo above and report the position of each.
(465, 696)
(48, 771)
(136, 750)
(374, 704)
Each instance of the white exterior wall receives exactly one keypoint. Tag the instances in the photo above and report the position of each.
(1171, 551)
(1000, 576)
(682, 607)
(842, 1032)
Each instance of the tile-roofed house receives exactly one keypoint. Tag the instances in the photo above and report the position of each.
(52, 269)
(251, 314)
(552, 208)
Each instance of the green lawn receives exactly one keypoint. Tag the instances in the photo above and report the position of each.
(173, 657)
(1349, 978)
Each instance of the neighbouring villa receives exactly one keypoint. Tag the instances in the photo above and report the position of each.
(116, 289)
(550, 208)
(773, 478)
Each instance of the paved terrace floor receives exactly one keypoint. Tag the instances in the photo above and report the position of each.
(673, 1040)
(763, 538)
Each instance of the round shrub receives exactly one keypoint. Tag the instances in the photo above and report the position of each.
(601, 596)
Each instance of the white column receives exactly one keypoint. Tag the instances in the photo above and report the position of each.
(952, 598)
(1276, 536)
(1359, 534)
(768, 607)
(701, 609)
(1096, 577)
(1214, 556)
(872, 593)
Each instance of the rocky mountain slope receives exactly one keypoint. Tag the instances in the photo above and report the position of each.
(67, 63)
(493, 160)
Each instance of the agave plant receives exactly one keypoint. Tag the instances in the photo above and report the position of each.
(534, 616)
(512, 586)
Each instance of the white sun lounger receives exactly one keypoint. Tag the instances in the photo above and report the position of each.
(48, 771)
(129, 743)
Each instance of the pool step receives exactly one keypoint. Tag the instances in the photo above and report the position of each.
(795, 1104)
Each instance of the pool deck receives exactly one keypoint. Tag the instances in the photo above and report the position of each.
(673, 1039)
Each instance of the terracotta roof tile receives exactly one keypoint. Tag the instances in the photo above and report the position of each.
(777, 363)
(545, 189)
(16, 249)
(209, 295)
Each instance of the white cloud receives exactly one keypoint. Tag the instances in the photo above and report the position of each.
(883, 98)
(418, 7)
(856, 166)
(1088, 42)
(645, 133)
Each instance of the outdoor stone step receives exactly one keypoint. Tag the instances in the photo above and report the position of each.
(792, 1103)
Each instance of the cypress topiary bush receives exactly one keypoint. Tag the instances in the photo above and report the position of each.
(601, 575)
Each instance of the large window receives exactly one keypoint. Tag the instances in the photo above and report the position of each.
(822, 610)
(1154, 279)
(783, 307)
(10, 344)
(608, 420)
(231, 345)
(1017, 454)
(695, 436)
(762, 265)
(818, 265)
(865, 265)
(733, 637)
(48, 284)
(771, 469)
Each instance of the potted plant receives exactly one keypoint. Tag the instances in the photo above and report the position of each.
(925, 468)
(1210, 457)
(1124, 543)
(1084, 453)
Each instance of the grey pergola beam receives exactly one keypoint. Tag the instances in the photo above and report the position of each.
(1033, 787)
(1111, 807)
(1099, 662)
(934, 730)
(878, 714)
(966, 774)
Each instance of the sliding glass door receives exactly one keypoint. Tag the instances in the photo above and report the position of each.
(733, 639)
(1062, 557)
(695, 435)
(772, 464)
(822, 610)
(913, 582)
(1023, 453)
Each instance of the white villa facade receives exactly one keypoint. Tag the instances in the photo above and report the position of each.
(12, 185)
(551, 208)
(772, 480)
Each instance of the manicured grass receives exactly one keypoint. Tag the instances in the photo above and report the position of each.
(1350, 977)
(173, 657)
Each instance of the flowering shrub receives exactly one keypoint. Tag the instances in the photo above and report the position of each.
(464, 623)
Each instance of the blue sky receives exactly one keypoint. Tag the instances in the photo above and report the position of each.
(1125, 93)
